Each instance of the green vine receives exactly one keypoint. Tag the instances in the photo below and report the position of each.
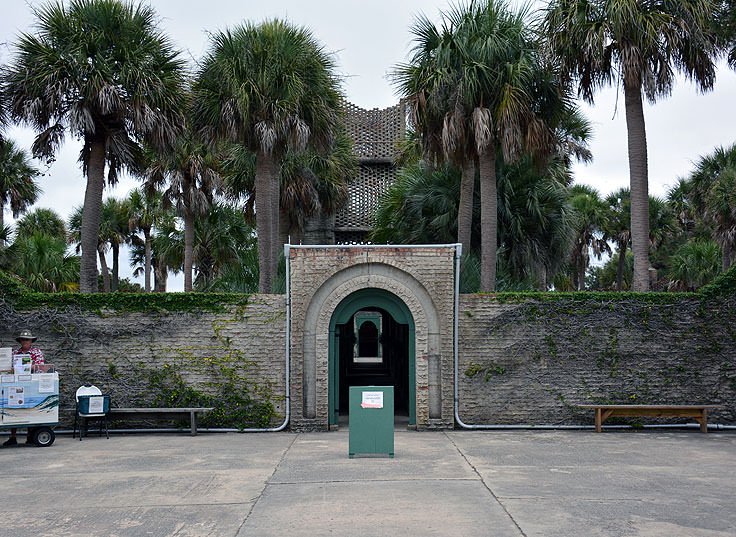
(489, 370)
(233, 405)
(131, 302)
(723, 285)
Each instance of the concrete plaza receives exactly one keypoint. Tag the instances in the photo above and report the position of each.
(490, 483)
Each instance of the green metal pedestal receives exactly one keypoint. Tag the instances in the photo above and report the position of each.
(371, 420)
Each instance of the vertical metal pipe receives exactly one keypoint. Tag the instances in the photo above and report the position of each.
(287, 400)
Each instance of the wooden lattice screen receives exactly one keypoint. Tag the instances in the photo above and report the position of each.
(375, 134)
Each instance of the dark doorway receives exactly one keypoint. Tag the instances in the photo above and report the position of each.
(373, 350)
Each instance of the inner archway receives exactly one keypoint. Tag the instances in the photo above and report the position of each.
(372, 342)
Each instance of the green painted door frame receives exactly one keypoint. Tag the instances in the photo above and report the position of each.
(369, 298)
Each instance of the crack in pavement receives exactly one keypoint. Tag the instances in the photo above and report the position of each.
(265, 485)
(371, 480)
(488, 488)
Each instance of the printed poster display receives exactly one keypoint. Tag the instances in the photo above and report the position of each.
(372, 400)
(46, 382)
(21, 364)
(16, 396)
(7, 378)
(6, 358)
(96, 405)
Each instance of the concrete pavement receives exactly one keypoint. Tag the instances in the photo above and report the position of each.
(480, 483)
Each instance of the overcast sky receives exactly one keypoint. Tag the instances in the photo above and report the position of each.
(368, 38)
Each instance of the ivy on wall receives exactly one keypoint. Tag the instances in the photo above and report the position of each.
(642, 350)
(22, 299)
(241, 399)
(211, 372)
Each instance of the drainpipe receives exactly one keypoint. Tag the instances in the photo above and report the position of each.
(458, 254)
(233, 430)
(287, 400)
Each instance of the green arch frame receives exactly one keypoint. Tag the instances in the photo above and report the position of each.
(370, 298)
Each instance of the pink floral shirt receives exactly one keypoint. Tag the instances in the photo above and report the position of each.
(35, 352)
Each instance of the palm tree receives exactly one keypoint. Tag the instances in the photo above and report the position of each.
(45, 221)
(114, 230)
(268, 87)
(618, 228)
(101, 70)
(420, 207)
(166, 250)
(725, 24)
(313, 186)
(17, 186)
(75, 237)
(478, 88)
(638, 44)
(144, 213)
(425, 81)
(694, 264)
(662, 225)
(43, 264)
(535, 219)
(713, 195)
(220, 238)
(590, 230)
(678, 198)
(190, 171)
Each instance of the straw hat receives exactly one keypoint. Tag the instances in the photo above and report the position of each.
(25, 334)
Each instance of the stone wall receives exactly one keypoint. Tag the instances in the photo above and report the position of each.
(139, 358)
(531, 362)
(523, 360)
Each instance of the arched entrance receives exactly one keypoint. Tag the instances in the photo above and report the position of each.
(372, 342)
(413, 285)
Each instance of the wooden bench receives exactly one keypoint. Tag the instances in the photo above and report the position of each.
(150, 413)
(698, 412)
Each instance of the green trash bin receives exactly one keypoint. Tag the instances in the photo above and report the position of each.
(371, 420)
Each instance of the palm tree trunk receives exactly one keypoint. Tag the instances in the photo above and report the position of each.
(265, 174)
(465, 207)
(638, 177)
(621, 265)
(285, 230)
(147, 272)
(103, 270)
(488, 220)
(90, 231)
(159, 277)
(276, 244)
(727, 257)
(542, 278)
(584, 264)
(161, 273)
(188, 249)
(115, 266)
(2, 217)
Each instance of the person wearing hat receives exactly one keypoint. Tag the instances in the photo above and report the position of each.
(26, 339)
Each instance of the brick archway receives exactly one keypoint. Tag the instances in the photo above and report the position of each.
(420, 286)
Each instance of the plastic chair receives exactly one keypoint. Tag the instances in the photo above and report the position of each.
(91, 404)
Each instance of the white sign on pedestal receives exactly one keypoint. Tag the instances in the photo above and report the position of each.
(372, 400)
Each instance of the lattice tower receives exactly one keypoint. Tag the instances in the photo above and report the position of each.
(375, 134)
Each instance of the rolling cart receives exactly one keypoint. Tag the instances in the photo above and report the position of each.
(30, 401)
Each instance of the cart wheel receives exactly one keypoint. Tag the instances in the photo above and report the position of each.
(43, 437)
